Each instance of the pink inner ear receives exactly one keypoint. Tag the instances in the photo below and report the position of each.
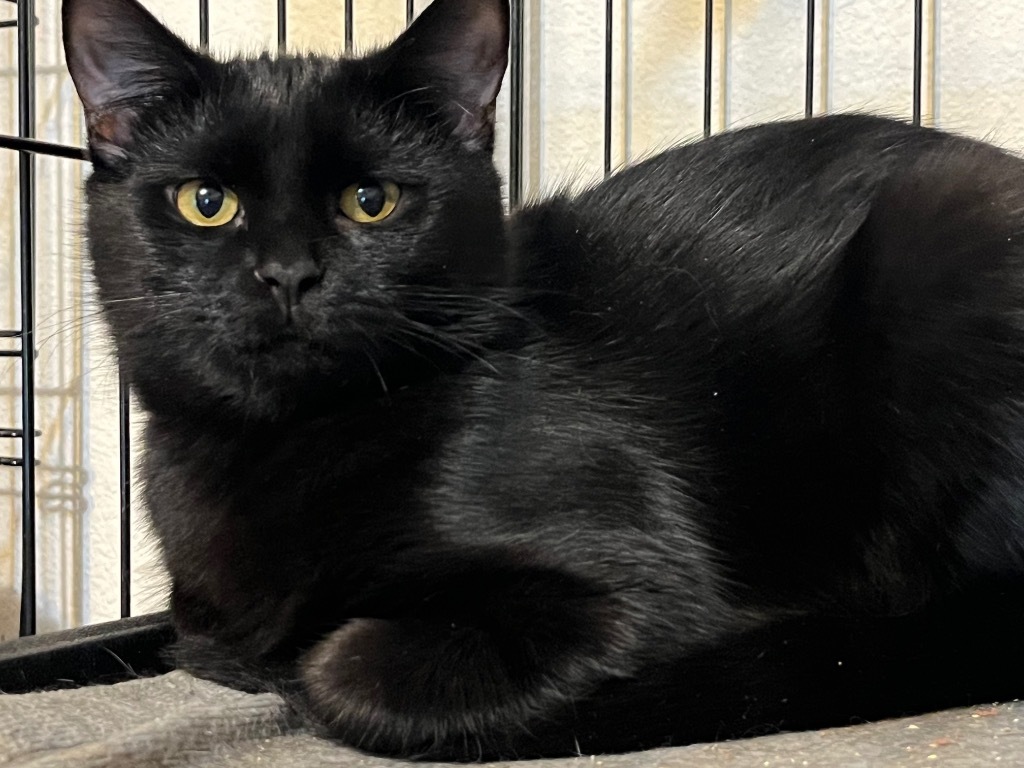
(112, 127)
(110, 134)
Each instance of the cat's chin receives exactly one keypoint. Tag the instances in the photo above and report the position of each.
(265, 401)
(270, 383)
(306, 390)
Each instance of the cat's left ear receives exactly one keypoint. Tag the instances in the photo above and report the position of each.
(123, 60)
(455, 56)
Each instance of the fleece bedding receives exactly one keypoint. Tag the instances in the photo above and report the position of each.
(178, 720)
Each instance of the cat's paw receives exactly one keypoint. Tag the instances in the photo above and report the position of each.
(419, 688)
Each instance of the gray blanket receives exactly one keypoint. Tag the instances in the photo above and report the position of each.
(177, 720)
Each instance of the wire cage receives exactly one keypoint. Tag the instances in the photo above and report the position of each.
(18, 443)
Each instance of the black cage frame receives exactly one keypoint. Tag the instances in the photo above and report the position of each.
(75, 655)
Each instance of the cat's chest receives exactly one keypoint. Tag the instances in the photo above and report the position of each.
(525, 450)
(276, 506)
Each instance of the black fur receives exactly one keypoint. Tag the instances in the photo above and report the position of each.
(731, 442)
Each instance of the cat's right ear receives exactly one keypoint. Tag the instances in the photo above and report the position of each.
(122, 59)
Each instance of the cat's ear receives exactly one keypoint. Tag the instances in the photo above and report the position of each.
(456, 53)
(122, 59)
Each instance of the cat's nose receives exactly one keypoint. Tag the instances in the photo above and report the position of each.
(289, 282)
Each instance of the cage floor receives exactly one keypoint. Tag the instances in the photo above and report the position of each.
(177, 720)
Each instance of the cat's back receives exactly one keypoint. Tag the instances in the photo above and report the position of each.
(771, 175)
(737, 229)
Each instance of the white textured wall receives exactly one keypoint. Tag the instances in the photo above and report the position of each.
(974, 83)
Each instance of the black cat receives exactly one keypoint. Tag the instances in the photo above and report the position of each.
(733, 441)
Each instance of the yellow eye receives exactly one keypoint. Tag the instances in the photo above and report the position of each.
(369, 201)
(206, 203)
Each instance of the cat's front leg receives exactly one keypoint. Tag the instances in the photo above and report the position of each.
(466, 684)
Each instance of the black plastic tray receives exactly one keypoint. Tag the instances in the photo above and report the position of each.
(102, 653)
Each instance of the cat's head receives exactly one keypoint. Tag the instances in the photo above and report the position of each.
(269, 232)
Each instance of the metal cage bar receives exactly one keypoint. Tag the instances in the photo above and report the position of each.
(125, 467)
(709, 14)
(918, 55)
(282, 26)
(515, 172)
(349, 24)
(26, 217)
(204, 24)
(42, 148)
(609, 31)
(809, 62)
